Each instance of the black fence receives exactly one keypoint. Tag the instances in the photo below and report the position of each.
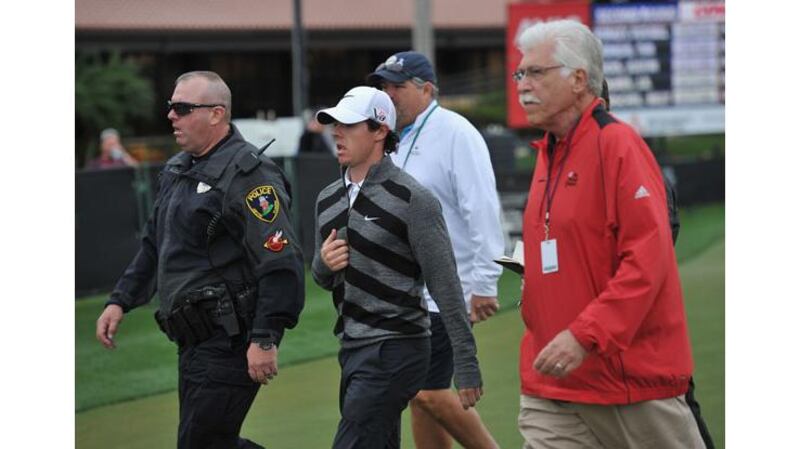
(697, 181)
(113, 205)
(108, 221)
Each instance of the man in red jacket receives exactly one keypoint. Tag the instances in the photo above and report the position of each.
(605, 359)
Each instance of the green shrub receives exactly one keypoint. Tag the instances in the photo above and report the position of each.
(109, 93)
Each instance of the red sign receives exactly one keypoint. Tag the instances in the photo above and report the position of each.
(709, 11)
(520, 17)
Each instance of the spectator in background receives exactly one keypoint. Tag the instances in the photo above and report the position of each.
(317, 138)
(446, 154)
(112, 153)
(605, 360)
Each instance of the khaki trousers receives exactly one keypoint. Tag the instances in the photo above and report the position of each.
(658, 424)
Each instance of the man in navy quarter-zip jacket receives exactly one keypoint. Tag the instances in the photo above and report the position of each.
(380, 237)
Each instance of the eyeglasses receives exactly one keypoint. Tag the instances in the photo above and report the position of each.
(535, 73)
(182, 108)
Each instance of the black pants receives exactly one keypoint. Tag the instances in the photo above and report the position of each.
(215, 393)
(694, 406)
(377, 382)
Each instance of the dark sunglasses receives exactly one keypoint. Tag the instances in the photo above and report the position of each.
(182, 108)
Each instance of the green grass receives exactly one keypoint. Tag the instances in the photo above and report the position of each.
(703, 279)
(145, 362)
(703, 146)
(300, 409)
(701, 226)
(678, 147)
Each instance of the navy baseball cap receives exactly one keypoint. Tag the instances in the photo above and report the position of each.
(401, 67)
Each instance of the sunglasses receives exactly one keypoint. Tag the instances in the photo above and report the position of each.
(182, 108)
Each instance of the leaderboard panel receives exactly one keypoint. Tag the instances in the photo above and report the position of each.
(665, 64)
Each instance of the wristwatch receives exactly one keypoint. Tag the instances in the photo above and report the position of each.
(264, 344)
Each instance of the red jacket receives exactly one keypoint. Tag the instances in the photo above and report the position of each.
(617, 287)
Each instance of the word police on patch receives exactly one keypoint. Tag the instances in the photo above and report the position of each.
(263, 203)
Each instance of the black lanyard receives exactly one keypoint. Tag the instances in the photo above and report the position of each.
(548, 195)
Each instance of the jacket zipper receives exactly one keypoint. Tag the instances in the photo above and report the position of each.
(624, 377)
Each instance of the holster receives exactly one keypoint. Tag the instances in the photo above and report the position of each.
(198, 314)
(245, 300)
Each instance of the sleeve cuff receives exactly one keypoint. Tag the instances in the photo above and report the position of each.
(267, 336)
(584, 339)
(322, 275)
(117, 302)
(467, 379)
(490, 291)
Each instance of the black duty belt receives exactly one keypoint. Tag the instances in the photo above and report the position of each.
(198, 314)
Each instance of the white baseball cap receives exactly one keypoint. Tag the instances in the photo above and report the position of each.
(359, 104)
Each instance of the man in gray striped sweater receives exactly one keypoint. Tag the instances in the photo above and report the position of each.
(380, 237)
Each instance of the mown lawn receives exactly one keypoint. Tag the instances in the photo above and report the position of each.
(300, 409)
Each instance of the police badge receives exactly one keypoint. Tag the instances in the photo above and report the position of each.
(263, 203)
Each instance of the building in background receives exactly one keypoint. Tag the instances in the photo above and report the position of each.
(248, 42)
(664, 60)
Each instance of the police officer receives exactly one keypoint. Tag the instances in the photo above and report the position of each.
(221, 252)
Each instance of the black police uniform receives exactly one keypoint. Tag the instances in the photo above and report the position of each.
(219, 239)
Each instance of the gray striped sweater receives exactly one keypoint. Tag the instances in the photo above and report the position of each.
(398, 243)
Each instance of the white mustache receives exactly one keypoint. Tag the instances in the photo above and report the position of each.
(527, 98)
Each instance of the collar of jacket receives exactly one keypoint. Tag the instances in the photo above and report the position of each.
(377, 173)
(216, 163)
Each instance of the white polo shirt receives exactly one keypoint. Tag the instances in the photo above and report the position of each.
(352, 187)
(451, 159)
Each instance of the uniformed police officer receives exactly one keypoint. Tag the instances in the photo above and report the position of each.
(220, 250)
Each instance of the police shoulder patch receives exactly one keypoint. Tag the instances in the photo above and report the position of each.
(263, 203)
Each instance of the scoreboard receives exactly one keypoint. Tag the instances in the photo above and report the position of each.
(665, 64)
(664, 61)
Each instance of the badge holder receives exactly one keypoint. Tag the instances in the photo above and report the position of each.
(549, 249)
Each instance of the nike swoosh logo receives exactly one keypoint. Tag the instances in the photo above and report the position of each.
(371, 218)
